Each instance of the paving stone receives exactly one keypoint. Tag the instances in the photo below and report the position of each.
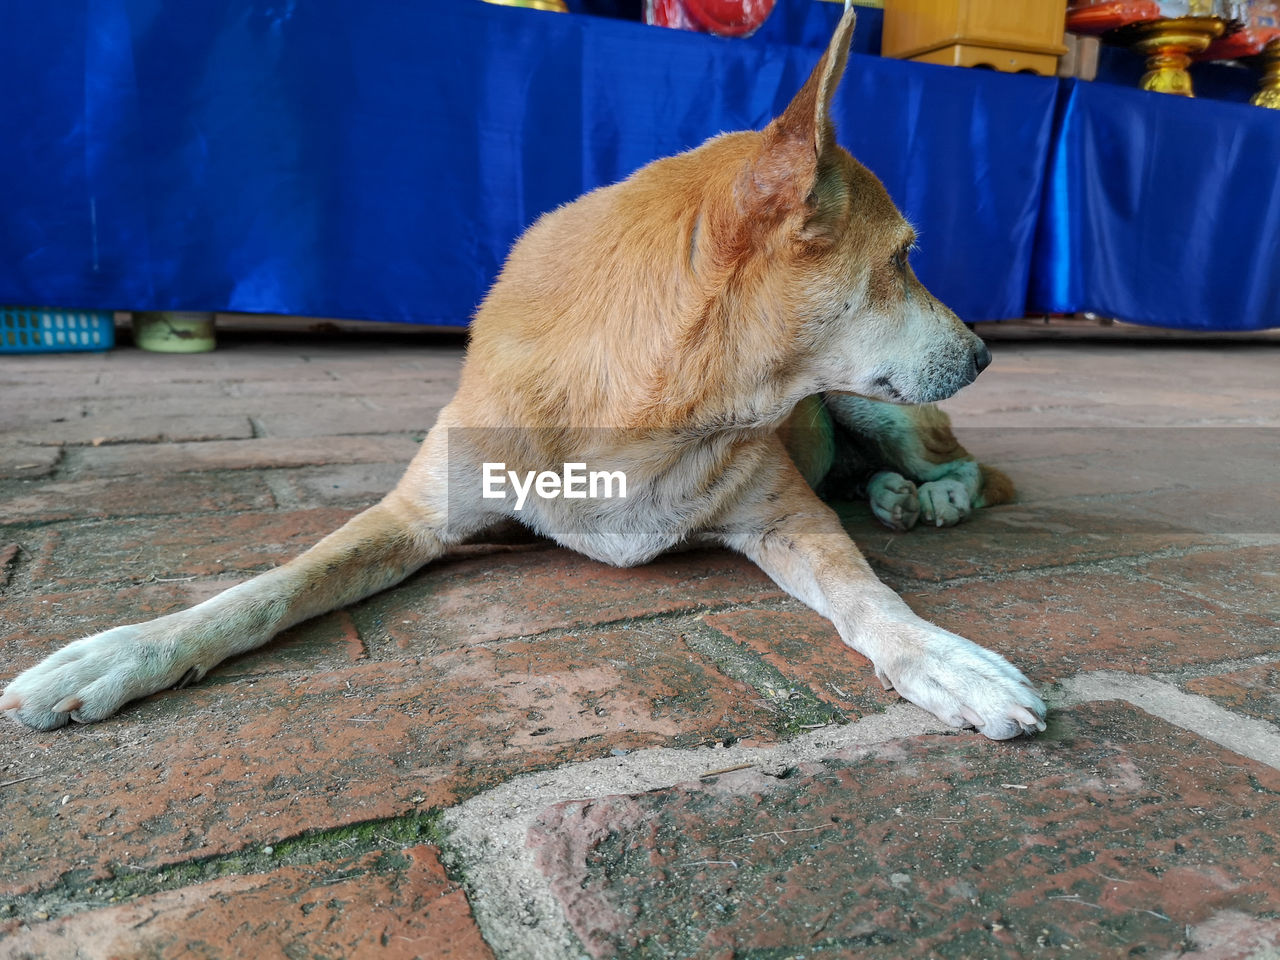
(1254, 691)
(340, 485)
(318, 411)
(1150, 451)
(511, 595)
(1053, 625)
(1139, 494)
(416, 418)
(1137, 460)
(135, 496)
(1114, 835)
(1243, 579)
(134, 428)
(139, 549)
(261, 453)
(27, 461)
(431, 360)
(428, 381)
(804, 647)
(398, 906)
(1010, 538)
(1116, 376)
(72, 366)
(248, 760)
(19, 418)
(1245, 509)
(39, 387)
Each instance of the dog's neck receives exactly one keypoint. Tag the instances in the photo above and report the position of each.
(620, 312)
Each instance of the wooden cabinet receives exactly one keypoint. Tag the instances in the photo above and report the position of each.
(1011, 35)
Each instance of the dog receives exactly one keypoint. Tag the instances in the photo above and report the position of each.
(724, 330)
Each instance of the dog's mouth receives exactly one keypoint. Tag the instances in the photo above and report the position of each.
(890, 392)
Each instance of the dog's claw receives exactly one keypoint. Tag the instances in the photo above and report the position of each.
(68, 704)
(1027, 719)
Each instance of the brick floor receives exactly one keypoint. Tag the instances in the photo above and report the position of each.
(1065, 622)
(400, 906)
(1254, 691)
(1146, 540)
(287, 740)
(1115, 835)
(143, 548)
(493, 596)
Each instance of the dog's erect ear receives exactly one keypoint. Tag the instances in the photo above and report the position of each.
(808, 116)
(784, 176)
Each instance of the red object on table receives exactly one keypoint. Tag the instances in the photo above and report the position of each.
(727, 18)
(1262, 25)
(1099, 16)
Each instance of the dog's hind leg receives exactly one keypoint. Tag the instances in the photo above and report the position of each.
(910, 464)
(798, 540)
(90, 679)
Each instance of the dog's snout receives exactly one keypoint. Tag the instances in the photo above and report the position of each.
(981, 359)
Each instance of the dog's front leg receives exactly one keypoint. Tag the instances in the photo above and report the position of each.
(90, 679)
(799, 542)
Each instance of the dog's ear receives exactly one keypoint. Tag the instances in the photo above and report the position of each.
(789, 175)
(808, 116)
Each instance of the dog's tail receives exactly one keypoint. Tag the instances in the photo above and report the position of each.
(997, 488)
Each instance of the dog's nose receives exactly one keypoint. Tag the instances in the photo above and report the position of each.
(981, 359)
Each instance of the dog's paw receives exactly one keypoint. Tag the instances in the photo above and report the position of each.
(91, 679)
(944, 503)
(959, 682)
(894, 500)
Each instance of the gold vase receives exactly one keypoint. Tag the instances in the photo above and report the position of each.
(1169, 46)
(1268, 94)
(556, 6)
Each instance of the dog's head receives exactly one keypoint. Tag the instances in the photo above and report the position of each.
(814, 233)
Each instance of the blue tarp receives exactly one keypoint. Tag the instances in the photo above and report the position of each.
(376, 160)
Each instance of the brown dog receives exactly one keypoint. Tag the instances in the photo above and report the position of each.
(671, 330)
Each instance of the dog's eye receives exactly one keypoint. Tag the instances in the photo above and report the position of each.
(900, 256)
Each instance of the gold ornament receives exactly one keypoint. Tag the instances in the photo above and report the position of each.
(556, 6)
(1268, 94)
(1169, 46)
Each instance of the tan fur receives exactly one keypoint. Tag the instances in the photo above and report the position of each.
(666, 326)
(997, 488)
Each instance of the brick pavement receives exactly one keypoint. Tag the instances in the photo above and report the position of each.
(521, 753)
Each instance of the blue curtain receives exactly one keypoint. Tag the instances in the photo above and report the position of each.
(1161, 210)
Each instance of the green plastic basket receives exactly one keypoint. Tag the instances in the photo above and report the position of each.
(48, 330)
